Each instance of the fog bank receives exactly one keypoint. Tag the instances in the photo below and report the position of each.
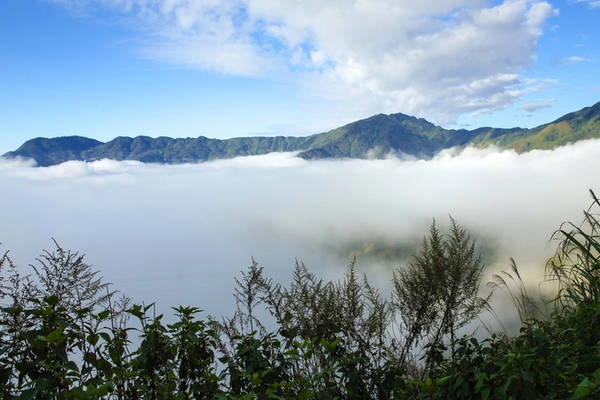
(177, 234)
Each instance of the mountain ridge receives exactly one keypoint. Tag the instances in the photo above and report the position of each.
(373, 137)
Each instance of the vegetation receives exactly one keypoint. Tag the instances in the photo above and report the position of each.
(66, 335)
(374, 137)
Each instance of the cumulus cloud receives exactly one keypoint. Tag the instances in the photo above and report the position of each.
(430, 58)
(178, 234)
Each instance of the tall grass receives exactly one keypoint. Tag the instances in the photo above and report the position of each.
(576, 264)
(512, 284)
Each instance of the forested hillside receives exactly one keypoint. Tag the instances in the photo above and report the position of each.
(375, 137)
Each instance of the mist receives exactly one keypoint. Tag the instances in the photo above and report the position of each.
(178, 234)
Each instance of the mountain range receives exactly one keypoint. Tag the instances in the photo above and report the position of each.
(374, 137)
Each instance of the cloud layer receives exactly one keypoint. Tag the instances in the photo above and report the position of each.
(430, 58)
(179, 234)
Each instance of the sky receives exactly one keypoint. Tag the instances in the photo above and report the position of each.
(186, 68)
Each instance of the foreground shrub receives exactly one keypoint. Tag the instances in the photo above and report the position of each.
(65, 335)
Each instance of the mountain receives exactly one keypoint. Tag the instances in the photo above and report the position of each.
(374, 137)
(173, 151)
(54, 151)
(570, 128)
(48, 152)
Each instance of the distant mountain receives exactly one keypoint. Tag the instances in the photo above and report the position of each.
(54, 151)
(374, 137)
(570, 128)
(167, 150)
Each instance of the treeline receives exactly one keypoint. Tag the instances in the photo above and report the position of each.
(65, 334)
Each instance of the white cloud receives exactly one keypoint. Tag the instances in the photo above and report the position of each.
(178, 234)
(430, 58)
(591, 3)
(532, 107)
(577, 59)
(537, 85)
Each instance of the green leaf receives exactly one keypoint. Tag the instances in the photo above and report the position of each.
(583, 389)
(54, 336)
(29, 394)
(93, 338)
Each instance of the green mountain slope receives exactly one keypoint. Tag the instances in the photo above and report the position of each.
(579, 125)
(54, 151)
(169, 150)
(381, 135)
(374, 137)
(570, 128)
(48, 152)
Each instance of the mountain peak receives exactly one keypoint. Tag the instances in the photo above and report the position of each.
(373, 137)
(53, 151)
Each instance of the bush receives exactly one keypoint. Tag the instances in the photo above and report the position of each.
(65, 335)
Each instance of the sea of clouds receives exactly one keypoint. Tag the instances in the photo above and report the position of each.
(178, 234)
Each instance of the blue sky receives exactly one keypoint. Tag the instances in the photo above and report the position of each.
(216, 68)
